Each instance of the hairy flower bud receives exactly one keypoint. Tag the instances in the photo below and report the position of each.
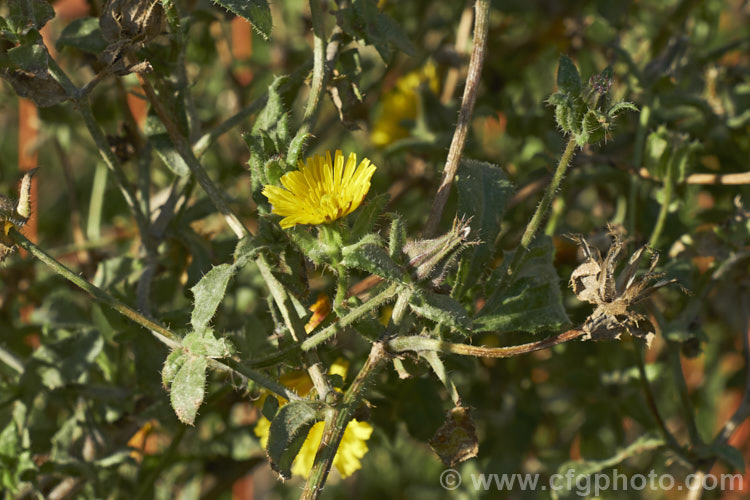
(432, 259)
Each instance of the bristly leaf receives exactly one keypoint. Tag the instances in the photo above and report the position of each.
(368, 255)
(188, 388)
(26, 15)
(368, 214)
(172, 365)
(397, 239)
(208, 293)
(568, 78)
(269, 118)
(442, 309)
(256, 11)
(533, 301)
(288, 432)
(159, 139)
(483, 192)
(205, 344)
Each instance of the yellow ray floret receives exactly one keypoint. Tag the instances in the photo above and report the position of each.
(322, 190)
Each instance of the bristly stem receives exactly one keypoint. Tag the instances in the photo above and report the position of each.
(541, 211)
(83, 106)
(425, 344)
(163, 334)
(320, 75)
(481, 27)
(337, 422)
(182, 146)
(294, 324)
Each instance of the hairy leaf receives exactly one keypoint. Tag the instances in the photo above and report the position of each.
(483, 193)
(188, 388)
(288, 432)
(533, 301)
(256, 11)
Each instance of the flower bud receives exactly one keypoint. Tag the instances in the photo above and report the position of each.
(432, 259)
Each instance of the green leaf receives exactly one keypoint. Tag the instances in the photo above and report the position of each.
(483, 193)
(159, 139)
(83, 34)
(364, 21)
(188, 388)
(568, 78)
(442, 309)
(172, 365)
(32, 58)
(256, 11)
(296, 149)
(209, 292)
(620, 107)
(368, 214)
(270, 407)
(729, 455)
(397, 238)
(368, 255)
(533, 301)
(66, 361)
(29, 14)
(288, 432)
(309, 244)
(269, 118)
(205, 344)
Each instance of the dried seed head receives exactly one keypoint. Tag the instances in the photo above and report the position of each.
(594, 281)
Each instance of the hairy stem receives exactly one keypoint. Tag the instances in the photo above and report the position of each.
(426, 344)
(110, 160)
(320, 74)
(337, 421)
(182, 146)
(481, 27)
(541, 211)
(163, 334)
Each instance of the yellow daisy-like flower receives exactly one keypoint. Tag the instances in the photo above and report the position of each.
(353, 444)
(400, 104)
(322, 190)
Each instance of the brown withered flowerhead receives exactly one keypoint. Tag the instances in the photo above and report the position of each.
(594, 281)
(129, 24)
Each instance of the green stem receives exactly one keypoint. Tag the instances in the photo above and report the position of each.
(83, 106)
(673, 352)
(651, 403)
(320, 75)
(426, 344)
(98, 188)
(182, 146)
(163, 334)
(330, 331)
(664, 211)
(481, 28)
(640, 140)
(541, 211)
(337, 422)
(294, 324)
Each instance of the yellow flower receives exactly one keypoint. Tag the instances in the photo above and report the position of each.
(353, 444)
(322, 190)
(400, 104)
